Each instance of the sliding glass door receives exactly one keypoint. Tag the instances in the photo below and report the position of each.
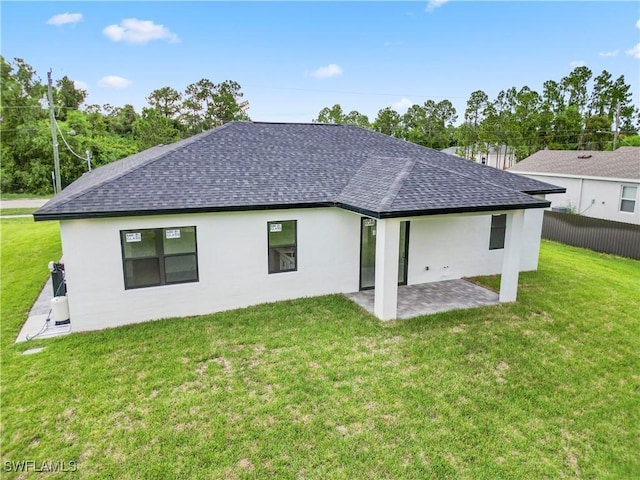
(368, 253)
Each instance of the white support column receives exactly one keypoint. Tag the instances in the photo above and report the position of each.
(511, 259)
(387, 252)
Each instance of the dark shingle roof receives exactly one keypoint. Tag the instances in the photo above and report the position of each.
(247, 166)
(623, 163)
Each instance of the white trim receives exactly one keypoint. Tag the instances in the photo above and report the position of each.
(511, 257)
(386, 277)
(621, 198)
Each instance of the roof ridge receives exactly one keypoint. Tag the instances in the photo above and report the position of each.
(263, 122)
(172, 147)
(395, 187)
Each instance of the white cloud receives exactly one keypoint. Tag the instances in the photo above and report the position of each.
(612, 53)
(433, 4)
(635, 51)
(402, 105)
(638, 24)
(331, 70)
(132, 30)
(577, 63)
(114, 81)
(64, 18)
(81, 85)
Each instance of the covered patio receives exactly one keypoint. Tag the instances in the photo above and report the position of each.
(434, 297)
(388, 301)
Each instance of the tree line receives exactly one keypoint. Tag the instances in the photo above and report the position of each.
(105, 132)
(577, 112)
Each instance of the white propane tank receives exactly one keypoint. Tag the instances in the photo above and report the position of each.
(60, 309)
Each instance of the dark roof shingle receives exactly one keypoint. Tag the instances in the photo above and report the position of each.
(245, 166)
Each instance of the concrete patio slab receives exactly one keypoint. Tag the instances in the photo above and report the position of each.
(428, 298)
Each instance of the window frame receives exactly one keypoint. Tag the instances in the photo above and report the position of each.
(497, 244)
(295, 246)
(160, 256)
(624, 199)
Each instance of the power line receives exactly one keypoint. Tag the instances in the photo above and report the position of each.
(38, 107)
(347, 92)
(87, 159)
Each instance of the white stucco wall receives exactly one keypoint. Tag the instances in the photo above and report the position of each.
(458, 246)
(232, 261)
(598, 198)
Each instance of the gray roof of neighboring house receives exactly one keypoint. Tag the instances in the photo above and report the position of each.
(252, 165)
(623, 163)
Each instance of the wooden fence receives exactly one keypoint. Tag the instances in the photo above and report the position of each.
(617, 238)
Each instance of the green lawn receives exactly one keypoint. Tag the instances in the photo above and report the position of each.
(23, 196)
(548, 387)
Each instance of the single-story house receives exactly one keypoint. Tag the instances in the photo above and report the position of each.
(258, 212)
(598, 184)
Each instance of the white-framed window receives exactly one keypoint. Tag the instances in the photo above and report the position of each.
(628, 196)
(159, 256)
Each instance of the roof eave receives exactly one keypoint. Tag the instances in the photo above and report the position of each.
(443, 211)
(469, 209)
(545, 191)
(244, 208)
(174, 211)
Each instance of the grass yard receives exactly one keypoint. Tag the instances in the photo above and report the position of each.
(316, 388)
(24, 196)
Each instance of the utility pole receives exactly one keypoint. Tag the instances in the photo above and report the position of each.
(54, 136)
(615, 134)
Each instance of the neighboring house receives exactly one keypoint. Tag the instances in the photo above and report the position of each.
(259, 212)
(599, 184)
(501, 159)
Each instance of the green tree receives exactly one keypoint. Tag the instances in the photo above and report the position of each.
(227, 107)
(552, 96)
(208, 105)
(331, 115)
(597, 133)
(67, 96)
(476, 104)
(357, 119)
(387, 122)
(120, 121)
(22, 121)
(335, 115)
(428, 124)
(167, 101)
(152, 128)
(526, 119)
(567, 129)
(575, 87)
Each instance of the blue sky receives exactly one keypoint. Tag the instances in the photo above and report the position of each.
(294, 58)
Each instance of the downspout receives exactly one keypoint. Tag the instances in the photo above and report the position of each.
(579, 196)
